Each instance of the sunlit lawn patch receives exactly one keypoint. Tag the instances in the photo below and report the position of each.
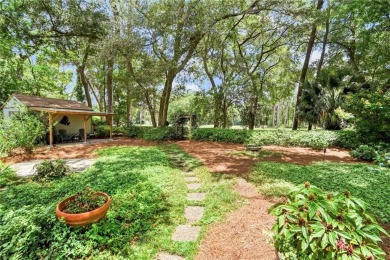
(367, 182)
(148, 201)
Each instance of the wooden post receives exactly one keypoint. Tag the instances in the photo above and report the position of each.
(110, 123)
(85, 129)
(51, 129)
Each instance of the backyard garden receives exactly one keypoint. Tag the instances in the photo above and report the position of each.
(176, 129)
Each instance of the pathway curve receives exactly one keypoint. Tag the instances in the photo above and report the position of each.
(245, 234)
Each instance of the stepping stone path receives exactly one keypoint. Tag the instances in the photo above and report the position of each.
(193, 213)
(194, 186)
(26, 169)
(191, 179)
(189, 231)
(196, 196)
(166, 256)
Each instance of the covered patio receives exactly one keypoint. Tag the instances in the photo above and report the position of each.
(68, 115)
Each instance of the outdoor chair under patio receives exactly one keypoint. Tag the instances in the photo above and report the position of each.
(64, 135)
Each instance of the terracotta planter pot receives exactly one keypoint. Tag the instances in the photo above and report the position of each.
(82, 219)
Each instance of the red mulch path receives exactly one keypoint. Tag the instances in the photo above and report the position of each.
(74, 150)
(245, 233)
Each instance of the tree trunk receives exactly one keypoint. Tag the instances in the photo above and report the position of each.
(287, 114)
(217, 109)
(150, 108)
(273, 115)
(84, 82)
(224, 114)
(310, 126)
(164, 101)
(83, 78)
(128, 107)
(252, 114)
(110, 71)
(324, 42)
(305, 68)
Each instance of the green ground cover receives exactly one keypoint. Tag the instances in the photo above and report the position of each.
(367, 182)
(148, 200)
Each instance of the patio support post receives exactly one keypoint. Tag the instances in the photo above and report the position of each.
(85, 129)
(51, 129)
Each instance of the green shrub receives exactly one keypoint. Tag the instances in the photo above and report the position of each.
(137, 181)
(220, 135)
(313, 139)
(137, 131)
(49, 170)
(364, 152)
(160, 134)
(103, 131)
(7, 175)
(84, 201)
(22, 130)
(347, 139)
(315, 225)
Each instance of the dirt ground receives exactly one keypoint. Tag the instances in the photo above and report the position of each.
(218, 158)
(245, 234)
(74, 150)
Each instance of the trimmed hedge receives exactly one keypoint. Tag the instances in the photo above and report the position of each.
(103, 131)
(313, 139)
(221, 135)
(160, 134)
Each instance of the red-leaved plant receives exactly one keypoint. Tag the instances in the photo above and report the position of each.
(315, 225)
(84, 201)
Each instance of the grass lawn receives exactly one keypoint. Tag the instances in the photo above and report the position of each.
(148, 200)
(367, 182)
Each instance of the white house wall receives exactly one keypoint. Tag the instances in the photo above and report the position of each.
(76, 122)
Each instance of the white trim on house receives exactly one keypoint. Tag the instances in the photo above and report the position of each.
(12, 105)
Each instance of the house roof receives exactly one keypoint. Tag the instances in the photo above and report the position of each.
(55, 105)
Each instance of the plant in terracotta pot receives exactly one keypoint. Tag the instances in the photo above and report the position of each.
(83, 208)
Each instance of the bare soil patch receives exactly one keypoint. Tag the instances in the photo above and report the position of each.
(246, 233)
(74, 150)
(218, 158)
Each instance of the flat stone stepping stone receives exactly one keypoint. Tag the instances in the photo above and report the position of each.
(186, 233)
(191, 179)
(193, 186)
(196, 196)
(189, 174)
(167, 256)
(193, 213)
(26, 169)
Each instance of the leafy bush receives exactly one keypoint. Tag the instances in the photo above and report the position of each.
(132, 176)
(137, 131)
(103, 131)
(315, 225)
(371, 109)
(220, 135)
(84, 201)
(364, 152)
(366, 182)
(160, 134)
(22, 130)
(313, 139)
(7, 175)
(49, 170)
(347, 139)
